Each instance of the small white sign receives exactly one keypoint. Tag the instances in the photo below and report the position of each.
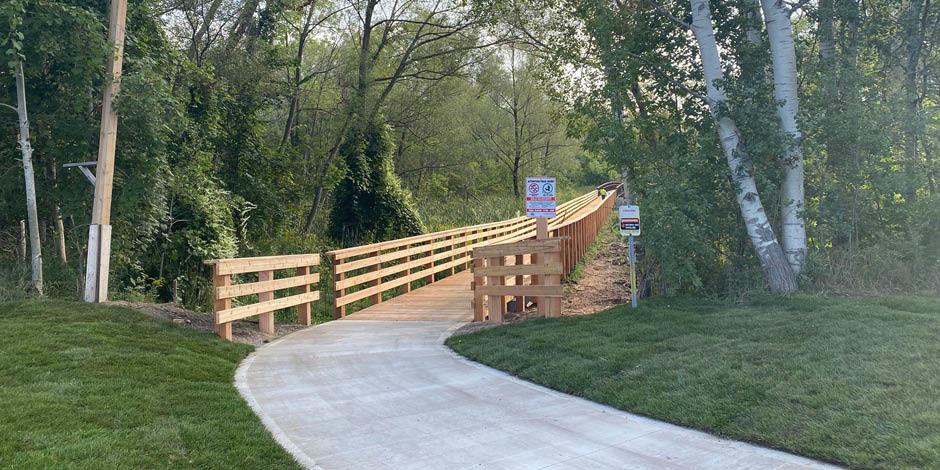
(540, 197)
(630, 220)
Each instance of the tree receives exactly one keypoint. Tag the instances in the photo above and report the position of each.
(783, 52)
(774, 263)
(522, 133)
(407, 41)
(14, 46)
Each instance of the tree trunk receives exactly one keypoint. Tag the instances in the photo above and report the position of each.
(783, 54)
(243, 22)
(294, 106)
(824, 33)
(773, 262)
(194, 48)
(30, 180)
(913, 123)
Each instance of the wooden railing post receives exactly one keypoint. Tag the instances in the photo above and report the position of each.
(406, 287)
(496, 303)
(224, 330)
(303, 310)
(541, 233)
(266, 320)
(339, 311)
(520, 280)
(377, 298)
(478, 283)
(430, 254)
(553, 303)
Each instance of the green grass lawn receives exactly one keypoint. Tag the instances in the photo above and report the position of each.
(85, 386)
(849, 381)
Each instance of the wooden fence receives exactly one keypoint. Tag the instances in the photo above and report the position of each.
(267, 284)
(529, 268)
(366, 272)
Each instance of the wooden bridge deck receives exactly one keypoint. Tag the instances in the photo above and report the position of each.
(446, 300)
(449, 299)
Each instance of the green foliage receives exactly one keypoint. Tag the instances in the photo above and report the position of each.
(865, 181)
(370, 204)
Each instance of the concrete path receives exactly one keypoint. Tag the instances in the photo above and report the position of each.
(378, 395)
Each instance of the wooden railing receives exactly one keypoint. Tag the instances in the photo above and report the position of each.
(529, 268)
(366, 272)
(265, 287)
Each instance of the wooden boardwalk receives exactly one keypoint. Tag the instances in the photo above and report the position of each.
(368, 273)
(446, 300)
(449, 299)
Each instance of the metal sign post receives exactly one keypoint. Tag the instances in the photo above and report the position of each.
(630, 227)
(632, 273)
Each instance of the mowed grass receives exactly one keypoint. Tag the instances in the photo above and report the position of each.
(85, 386)
(852, 381)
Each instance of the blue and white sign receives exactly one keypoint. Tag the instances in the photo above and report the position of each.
(540, 197)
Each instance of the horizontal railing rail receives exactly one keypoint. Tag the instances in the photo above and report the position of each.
(265, 287)
(528, 268)
(369, 271)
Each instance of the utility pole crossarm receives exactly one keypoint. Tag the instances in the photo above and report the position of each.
(83, 167)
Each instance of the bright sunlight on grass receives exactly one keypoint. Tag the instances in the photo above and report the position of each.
(106, 387)
(850, 381)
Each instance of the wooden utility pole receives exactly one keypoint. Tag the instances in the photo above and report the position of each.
(99, 232)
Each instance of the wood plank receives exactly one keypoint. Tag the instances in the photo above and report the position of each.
(239, 290)
(364, 249)
(519, 269)
(266, 320)
(238, 313)
(517, 248)
(477, 296)
(417, 250)
(264, 263)
(528, 291)
(303, 310)
(402, 267)
(361, 294)
(496, 303)
(564, 210)
(224, 330)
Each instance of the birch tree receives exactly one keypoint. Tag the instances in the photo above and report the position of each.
(783, 55)
(13, 48)
(777, 271)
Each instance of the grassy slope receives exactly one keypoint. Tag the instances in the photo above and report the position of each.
(106, 387)
(852, 381)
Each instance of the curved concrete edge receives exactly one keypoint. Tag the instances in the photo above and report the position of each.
(640, 418)
(241, 384)
(307, 461)
(244, 389)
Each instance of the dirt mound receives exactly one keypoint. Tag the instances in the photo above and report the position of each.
(243, 331)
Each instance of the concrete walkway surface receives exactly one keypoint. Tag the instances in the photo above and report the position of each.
(377, 395)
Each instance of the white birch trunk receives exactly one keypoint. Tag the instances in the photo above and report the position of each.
(777, 271)
(27, 152)
(783, 53)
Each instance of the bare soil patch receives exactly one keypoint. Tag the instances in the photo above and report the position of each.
(243, 331)
(604, 283)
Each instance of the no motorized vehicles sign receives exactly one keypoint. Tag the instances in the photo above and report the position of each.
(540, 197)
